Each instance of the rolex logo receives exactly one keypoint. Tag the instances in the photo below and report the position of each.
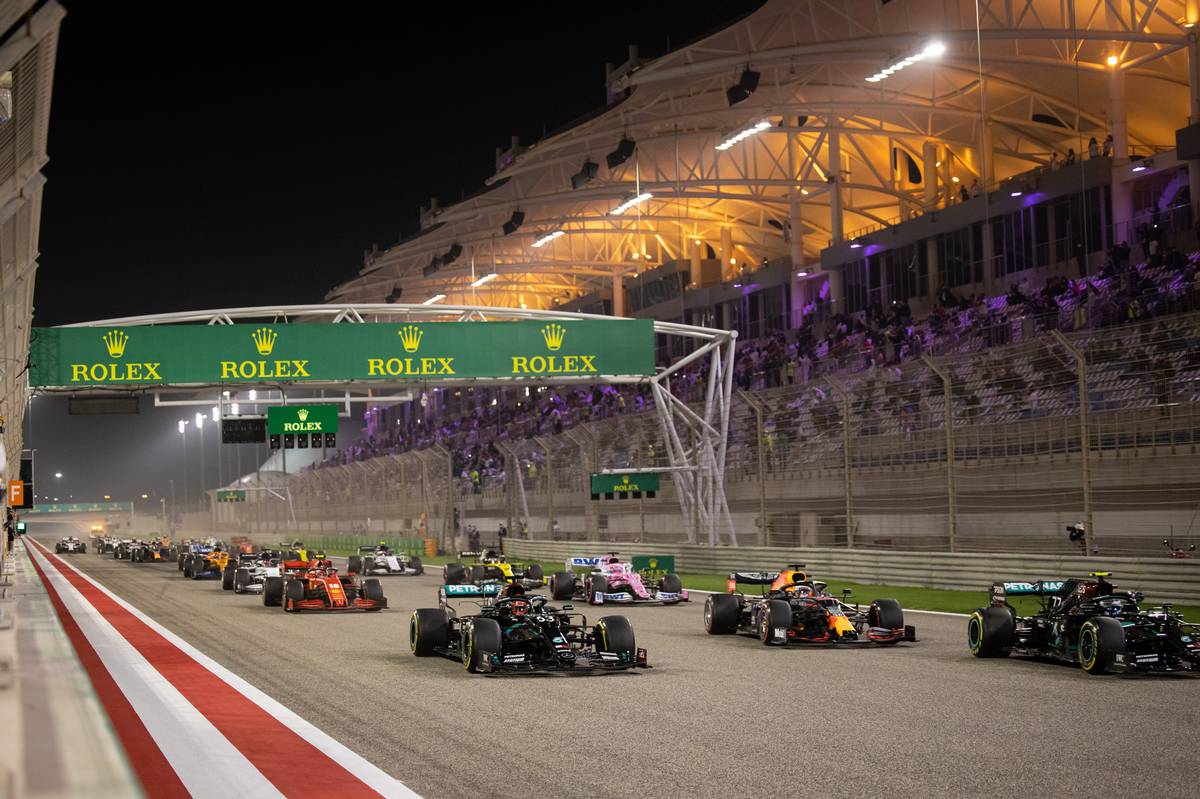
(115, 341)
(625, 479)
(264, 340)
(302, 414)
(554, 335)
(410, 337)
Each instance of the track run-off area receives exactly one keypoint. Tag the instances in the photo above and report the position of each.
(341, 699)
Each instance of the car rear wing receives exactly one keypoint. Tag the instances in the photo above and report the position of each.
(1001, 590)
(368, 549)
(584, 563)
(473, 554)
(750, 578)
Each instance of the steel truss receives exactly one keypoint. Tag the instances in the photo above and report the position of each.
(695, 437)
(1031, 80)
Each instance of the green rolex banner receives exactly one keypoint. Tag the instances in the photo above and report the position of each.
(156, 355)
(282, 419)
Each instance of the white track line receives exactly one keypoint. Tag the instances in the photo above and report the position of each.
(357, 765)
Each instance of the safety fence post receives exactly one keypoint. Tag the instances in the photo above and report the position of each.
(548, 477)
(948, 424)
(845, 398)
(757, 407)
(1085, 438)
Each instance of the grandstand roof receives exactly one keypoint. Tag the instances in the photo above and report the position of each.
(1033, 78)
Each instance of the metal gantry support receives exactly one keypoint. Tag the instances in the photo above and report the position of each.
(948, 423)
(1085, 438)
(702, 447)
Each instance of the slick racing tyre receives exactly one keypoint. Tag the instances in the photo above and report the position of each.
(1100, 638)
(179, 560)
(886, 613)
(721, 613)
(428, 631)
(354, 564)
(775, 614)
(562, 586)
(534, 572)
(415, 564)
(189, 566)
(83, 549)
(990, 632)
(615, 634)
(273, 592)
(241, 578)
(227, 577)
(373, 590)
(597, 587)
(454, 574)
(293, 592)
(480, 637)
(671, 584)
(369, 565)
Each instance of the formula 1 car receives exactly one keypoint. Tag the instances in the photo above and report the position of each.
(1085, 621)
(492, 567)
(248, 573)
(297, 551)
(515, 633)
(380, 560)
(122, 548)
(612, 580)
(104, 544)
(316, 585)
(205, 565)
(795, 609)
(157, 549)
(70, 544)
(192, 546)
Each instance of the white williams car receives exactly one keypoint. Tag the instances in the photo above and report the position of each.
(251, 572)
(380, 560)
(70, 544)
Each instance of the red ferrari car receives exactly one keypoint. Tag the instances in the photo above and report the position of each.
(316, 585)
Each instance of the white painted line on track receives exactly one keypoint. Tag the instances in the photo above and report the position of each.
(353, 763)
(206, 762)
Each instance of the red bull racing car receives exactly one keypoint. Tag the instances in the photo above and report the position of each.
(796, 609)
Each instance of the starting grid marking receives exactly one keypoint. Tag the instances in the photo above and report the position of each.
(190, 726)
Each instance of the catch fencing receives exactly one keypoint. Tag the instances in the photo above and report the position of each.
(997, 442)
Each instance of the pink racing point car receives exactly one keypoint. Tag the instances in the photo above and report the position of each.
(610, 579)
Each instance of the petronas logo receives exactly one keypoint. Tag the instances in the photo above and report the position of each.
(264, 340)
(410, 337)
(554, 335)
(302, 414)
(114, 342)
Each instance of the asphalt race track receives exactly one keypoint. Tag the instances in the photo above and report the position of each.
(716, 716)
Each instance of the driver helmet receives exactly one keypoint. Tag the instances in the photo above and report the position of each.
(519, 607)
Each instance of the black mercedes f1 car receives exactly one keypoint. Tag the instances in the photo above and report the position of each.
(1085, 621)
(518, 633)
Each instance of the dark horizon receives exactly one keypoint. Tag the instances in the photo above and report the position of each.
(234, 160)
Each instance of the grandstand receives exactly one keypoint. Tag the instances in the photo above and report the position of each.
(960, 253)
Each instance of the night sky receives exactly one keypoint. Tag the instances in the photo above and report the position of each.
(211, 160)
